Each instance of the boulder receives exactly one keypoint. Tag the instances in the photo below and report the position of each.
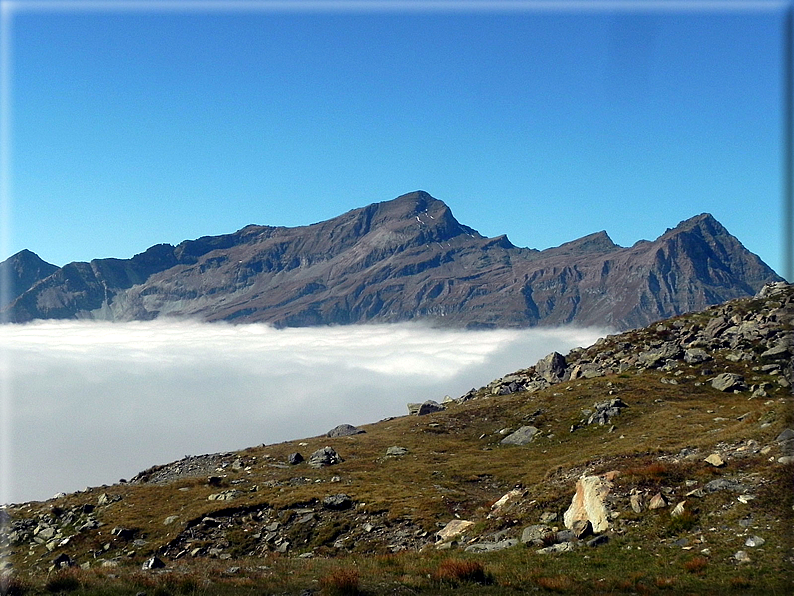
(454, 528)
(715, 460)
(324, 457)
(551, 368)
(729, 382)
(344, 430)
(395, 451)
(537, 534)
(522, 436)
(429, 407)
(425, 408)
(294, 459)
(589, 503)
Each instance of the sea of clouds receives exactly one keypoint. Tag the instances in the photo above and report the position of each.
(87, 403)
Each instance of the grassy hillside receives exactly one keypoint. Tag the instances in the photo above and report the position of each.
(251, 523)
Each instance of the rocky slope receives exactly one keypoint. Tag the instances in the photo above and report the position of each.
(405, 259)
(658, 459)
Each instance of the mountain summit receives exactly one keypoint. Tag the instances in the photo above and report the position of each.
(399, 260)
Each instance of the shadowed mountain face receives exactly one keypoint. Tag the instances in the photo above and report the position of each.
(400, 260)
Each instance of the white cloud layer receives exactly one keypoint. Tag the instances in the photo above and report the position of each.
(91, 402)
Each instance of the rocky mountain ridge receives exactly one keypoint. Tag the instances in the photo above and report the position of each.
(399, 260)
(668, 445)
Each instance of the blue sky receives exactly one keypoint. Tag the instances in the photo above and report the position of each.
(548, 122)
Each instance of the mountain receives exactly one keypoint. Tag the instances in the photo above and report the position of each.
(656, 461)
(20, 272)
(399, 260)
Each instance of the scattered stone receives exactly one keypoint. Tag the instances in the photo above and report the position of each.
(678, 510)
(153, 563)
(490, 547)
(715, 460)
(324, 457)
(547, 517)
(170, 519)
(338, 502)
(344, 430)
(522, 436)
(657, 502)
(506, 499)
(754, 541)
(724, 484)
(635, 500)
(741, 556)
(598, 540)
(226, 495)
(294, 459)
(395, 451)
(560, 547)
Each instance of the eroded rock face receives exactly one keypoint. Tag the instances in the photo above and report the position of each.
(589, 504)
(344, 270)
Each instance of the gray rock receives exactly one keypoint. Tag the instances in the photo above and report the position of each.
(557, 548)
(429, 407)
(729, 382)
(395, 451)
(779, 350)
(338, 502)
(724, 484)
(226, 495)
(741, 556)
(754, 541)
(294, 459)
(490, 547)
(344, 430)
(696, 356)
(598, 540)
(535, 534)
(522, 436)
(786, 435)
(581, 528)
(324, 457)
(551, 368)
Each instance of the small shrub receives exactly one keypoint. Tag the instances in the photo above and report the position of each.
(557, 583)
(665, 582)
(741, 583)
(341, 582)
(696, 565)
(683, 523)
(64, 580)
(455, 571)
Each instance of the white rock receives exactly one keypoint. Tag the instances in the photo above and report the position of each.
(589, 503)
